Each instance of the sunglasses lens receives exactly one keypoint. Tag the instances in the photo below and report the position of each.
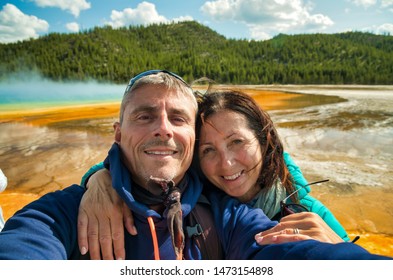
(293, 208)
(202, 85)
(285, 211)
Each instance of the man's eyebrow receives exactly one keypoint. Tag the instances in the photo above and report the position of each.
(151, 109)
(181, 112)
(144, 108)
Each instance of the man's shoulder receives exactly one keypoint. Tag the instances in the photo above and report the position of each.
(61, 206)
(58, 201)
(74, 192)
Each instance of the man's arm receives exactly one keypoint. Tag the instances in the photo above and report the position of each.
(237, 225)
(44, 229)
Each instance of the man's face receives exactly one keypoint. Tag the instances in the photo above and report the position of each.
(157, 134)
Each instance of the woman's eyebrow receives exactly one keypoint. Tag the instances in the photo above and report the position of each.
(225, 138)
(230, 135)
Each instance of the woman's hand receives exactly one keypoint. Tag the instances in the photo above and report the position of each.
(100, 219)
(296, 227)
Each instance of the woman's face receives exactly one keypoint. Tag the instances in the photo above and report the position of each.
(230, 154)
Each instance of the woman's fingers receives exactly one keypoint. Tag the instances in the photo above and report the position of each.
(129, 220)
(82, 232)
(278, 238)
(117, 228)
(296, 227)
(92, 237)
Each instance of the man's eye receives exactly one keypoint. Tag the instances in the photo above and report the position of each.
(144, 117)
(178, 119)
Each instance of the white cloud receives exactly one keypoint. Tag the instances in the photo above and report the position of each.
(144, 14)
(268, 16)
(16, 26)
(183, 18)
(219, 9)
(364, 3)
(73, 27)
(72, 6)
(386, 28)
(258, 33)
(386, 3)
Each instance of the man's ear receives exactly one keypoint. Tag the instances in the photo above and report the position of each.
(116, 127)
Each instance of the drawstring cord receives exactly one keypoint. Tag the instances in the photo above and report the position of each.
(155, 241)
(171, 196)
(154, 236)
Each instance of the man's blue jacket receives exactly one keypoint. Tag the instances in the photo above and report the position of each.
(237, 225)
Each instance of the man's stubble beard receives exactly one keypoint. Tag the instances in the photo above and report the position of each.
(161, 172)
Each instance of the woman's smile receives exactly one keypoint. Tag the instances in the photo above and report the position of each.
(233, 177)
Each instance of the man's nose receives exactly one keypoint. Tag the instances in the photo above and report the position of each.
(164, 128)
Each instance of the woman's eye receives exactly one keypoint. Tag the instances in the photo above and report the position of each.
(237, 141)
(207, 151)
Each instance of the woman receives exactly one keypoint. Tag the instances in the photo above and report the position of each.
(239, 151)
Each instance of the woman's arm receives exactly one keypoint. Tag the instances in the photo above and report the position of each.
(101, 219)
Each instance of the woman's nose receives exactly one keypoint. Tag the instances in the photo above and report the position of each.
(226, 159)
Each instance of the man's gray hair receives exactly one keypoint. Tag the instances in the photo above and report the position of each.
(161, 78)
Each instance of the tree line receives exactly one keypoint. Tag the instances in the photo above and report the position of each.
(193, 50)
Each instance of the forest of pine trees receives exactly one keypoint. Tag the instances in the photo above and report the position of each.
(193, 51)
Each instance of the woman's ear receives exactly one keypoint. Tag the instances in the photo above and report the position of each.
(116, 127)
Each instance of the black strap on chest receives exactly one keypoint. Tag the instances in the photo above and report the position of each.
(202, 229)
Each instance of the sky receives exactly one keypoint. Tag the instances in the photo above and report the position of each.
(235, 19)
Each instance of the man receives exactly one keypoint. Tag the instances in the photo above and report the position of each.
(149, 166)
(153, 150)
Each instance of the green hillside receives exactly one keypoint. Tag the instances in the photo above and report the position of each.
(193, 50)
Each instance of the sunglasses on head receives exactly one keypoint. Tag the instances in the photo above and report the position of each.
(152, 72)
(291, 208)
(202, 86)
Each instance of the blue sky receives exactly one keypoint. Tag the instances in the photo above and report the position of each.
(239, 19)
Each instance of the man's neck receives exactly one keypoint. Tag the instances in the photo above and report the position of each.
(159, 208)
